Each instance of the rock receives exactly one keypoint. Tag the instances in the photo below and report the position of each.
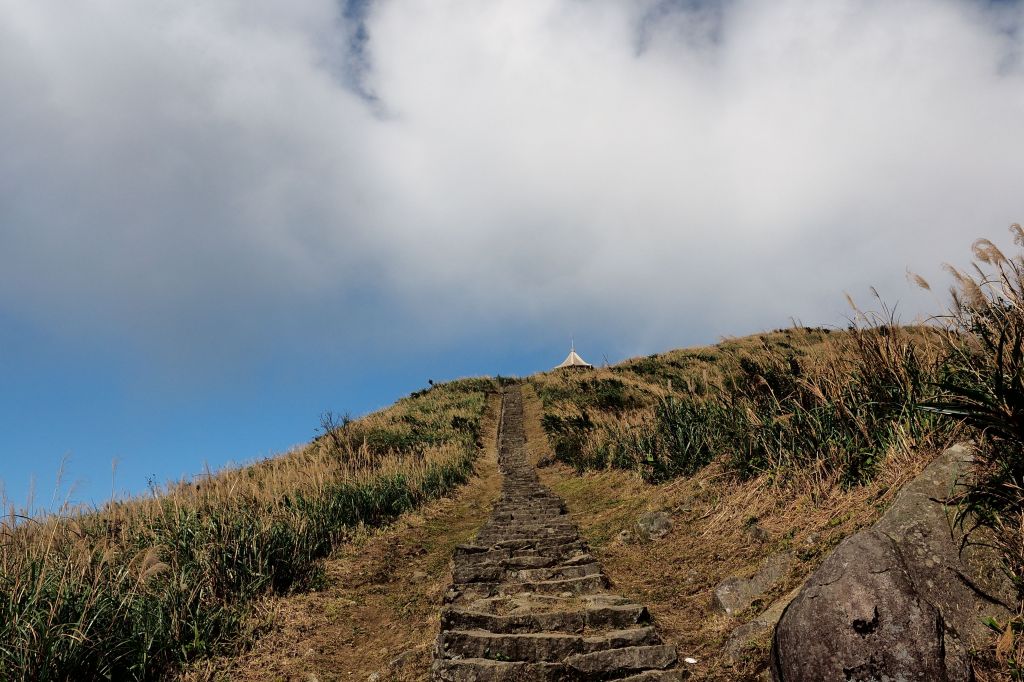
(897, 601)
(746, 633)
(403, 659)
(418, 576)
(757, 533)
(654, 525)
(735, 594)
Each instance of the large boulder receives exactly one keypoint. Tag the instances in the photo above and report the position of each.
(899, 601)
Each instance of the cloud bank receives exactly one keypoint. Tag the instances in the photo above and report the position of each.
(192, 177)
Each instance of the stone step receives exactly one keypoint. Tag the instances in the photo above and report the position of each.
(560, 572)
(516, 532)
(539, 646)
(573, 621)
(658, 676)
(519, 525)
(612, 663)
(478, 568)
(584, 585)
(526, 558)
(540, 544)
(617, 615)
(511, 511)
(570, 622)
(548, 542)
(481, 590)
(532, 647)
(484, 670)
(510, 563)
(489, 573)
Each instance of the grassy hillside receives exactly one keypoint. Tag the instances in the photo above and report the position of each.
(805, 431)
(138, 588)
(782, 442)
(785, 404)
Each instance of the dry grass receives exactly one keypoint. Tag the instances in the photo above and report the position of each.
(138, 588)
(791, 403)
(378, 612)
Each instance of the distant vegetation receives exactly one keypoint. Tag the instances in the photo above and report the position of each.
(139, 588)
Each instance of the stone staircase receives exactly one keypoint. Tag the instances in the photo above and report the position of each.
(529, 602)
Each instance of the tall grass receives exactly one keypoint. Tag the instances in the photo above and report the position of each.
(779, 404)
(141, 587)
(983, 386)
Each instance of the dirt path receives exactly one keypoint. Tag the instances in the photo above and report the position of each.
(377, 618)
(529, 601)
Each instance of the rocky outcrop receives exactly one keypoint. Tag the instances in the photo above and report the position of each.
(745, 634)
(737, 593)
(529, 602)
(898, 601)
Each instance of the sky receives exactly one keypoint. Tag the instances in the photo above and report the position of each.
(219, 218)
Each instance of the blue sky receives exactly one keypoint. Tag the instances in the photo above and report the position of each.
(221, 217)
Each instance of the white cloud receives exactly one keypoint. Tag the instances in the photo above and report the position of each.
(201, 171)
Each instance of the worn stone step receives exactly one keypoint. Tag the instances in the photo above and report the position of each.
(539, 646)
(469, 565)
(547, 535)
(539, 527)
(573, 621)
(524, 558)
(617, 616)
(520, 513)
(612, 663)
(549, 569)
(481, 589)
(478, 574)
(585, 585)
(540, 544)
(658, 676)
(621, 639)
(484, 670)
(560, 572)
(532, 647)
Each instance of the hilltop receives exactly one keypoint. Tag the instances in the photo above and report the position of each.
(603, 441)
